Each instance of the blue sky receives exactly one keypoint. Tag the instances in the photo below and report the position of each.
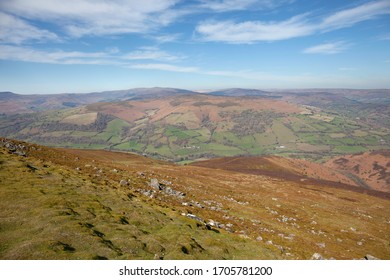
(56, 46)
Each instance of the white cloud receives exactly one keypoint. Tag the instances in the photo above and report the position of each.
(165, 38)
(98, 17)
(165, 67)
(327, 48)
(16, 31)
(151, 53)
(297, 26)
(112, 56)
(56, 57)
(349, 17)
(236, 5)
(252, 31)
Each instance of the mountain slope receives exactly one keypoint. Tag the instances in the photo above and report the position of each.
(370, 169)
(303, 171)
(52, 211)
(100, 204)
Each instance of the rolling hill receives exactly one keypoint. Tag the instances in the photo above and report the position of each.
(93, 204)
(188, 127)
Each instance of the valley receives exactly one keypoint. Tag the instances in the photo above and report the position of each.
(192, 126)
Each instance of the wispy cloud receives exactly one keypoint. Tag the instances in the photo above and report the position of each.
(252, 31)
(297, 26)
(328, 48)
(165, 38)
(237, 5)
(17, 31)
(165, 67)
(151, 53)
(55, 57)
(111, 56)
(349, 17)
(99, 17)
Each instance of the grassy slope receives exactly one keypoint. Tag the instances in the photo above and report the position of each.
(52, 211)
(59, 212)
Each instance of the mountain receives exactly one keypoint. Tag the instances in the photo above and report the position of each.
(94, 204)
(11, 103)
(241, 92)
(190, 126)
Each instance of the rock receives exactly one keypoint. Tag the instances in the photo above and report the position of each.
(123, 183)
(195, 218)
(370, 257)
(155, 184)
(359, 243)
(321, 245)
(317, 256)
(269, 242)
(20, 153)
(259, 238)
(31, 167)
(166, 183)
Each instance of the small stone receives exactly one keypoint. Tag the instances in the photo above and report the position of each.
(317, 256)
(370, 257)
(155, 184)
(192, 216)
(359, 243)
(123, 183)
(259, 238)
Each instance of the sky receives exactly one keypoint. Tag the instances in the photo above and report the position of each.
(56, 46)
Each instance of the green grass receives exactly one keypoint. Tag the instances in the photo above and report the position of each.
(349, 149)
(55, 212)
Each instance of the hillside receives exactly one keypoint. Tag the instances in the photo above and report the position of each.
(369, 170)
(334, 173)
(188, 127)
(84, 204)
